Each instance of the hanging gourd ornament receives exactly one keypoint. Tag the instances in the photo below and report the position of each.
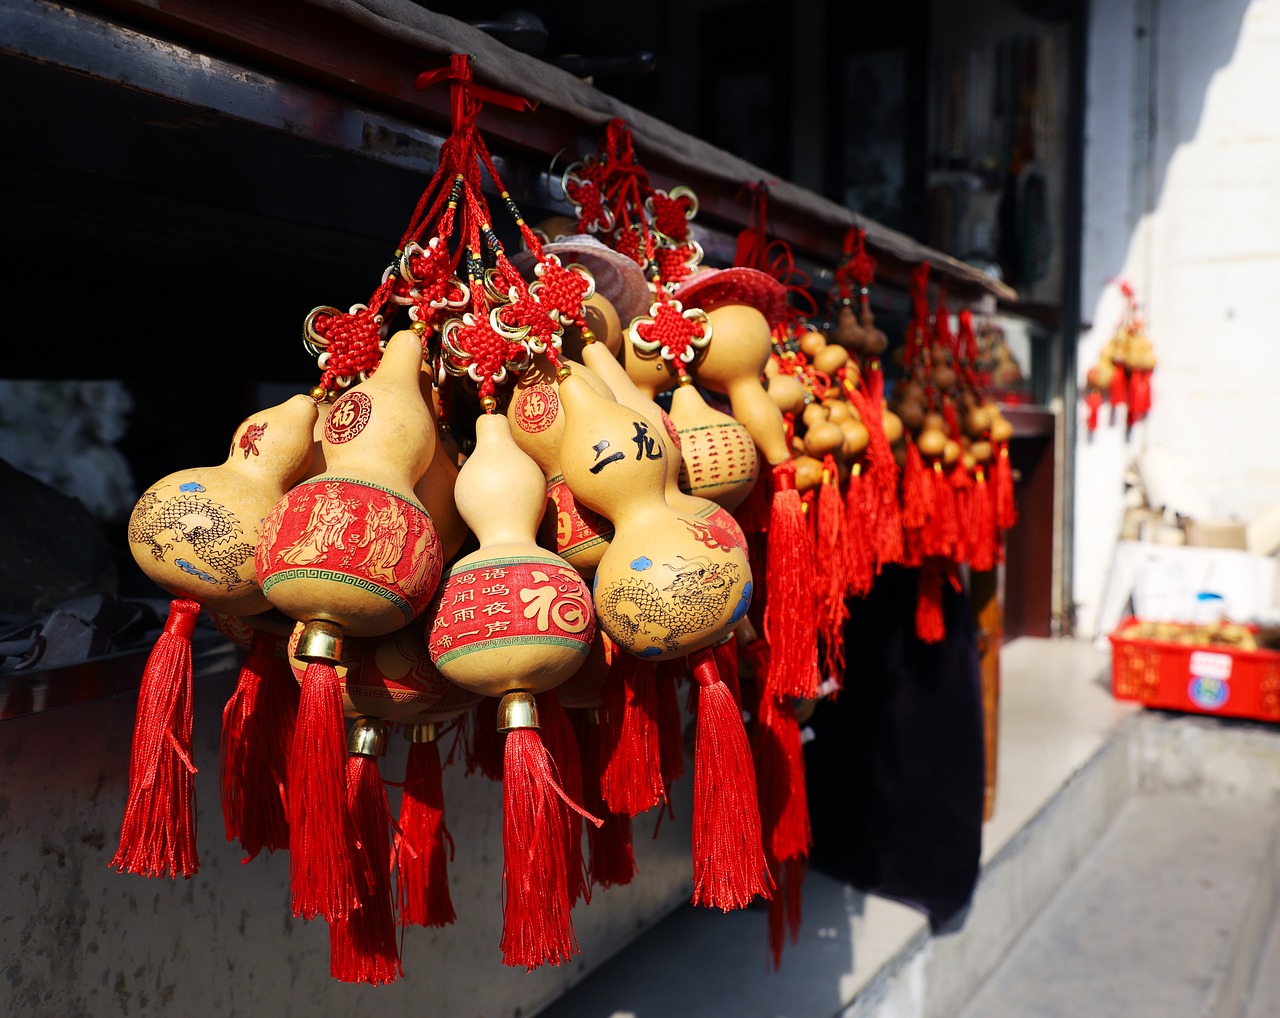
(352, 552)
(193, 533)
(511, 620)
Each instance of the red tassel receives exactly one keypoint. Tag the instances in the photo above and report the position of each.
(321, 878)
(982, 526)
(484, 751)
(426, 847)
(632, 779)
(917, 506)
(930, 626)
(670, 724)
(536, 922)
(790, 617)
(729, 867)
(257, 734)
(859, 550)
(1094, 402)
(882, 472)
(562, 743)
(363, 947)
(962, 492)
(1139, 395)
(158, 834)
(1006, 509)
(1119, 387)
(726, 655)
(753, 514)
(786, 908)
(613, 861)
(944, 529)
(784, 800)
(832, 555)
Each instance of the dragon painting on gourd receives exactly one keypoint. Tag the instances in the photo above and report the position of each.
(209, 527)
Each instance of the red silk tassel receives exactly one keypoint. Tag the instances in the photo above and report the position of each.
(1094, 402)
(321, 877)
(917, 506)
(562, 743)
(257, 734)
(983, 536)
(882, 473)
(613, 861)
(930, 626)
(860, 566)
(1119, 387)
(484, 751)
(832, 555)
(426, 847)
(784, 800)
(536, 923)
(962, 493)
(670, 724)
(786, 908)
(158, 833)
(753, 514)
(726, 654)
(1139, 395)
(790, 616)
(944, 529)
(729, 867)
(363, 947)
(1006, 509)
(632, 778)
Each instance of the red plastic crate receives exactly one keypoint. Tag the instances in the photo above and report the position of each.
(1202, 680)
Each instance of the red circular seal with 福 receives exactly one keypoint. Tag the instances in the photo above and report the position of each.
(347, 418)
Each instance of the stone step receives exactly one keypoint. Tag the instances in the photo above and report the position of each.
(1167, 916)
(1264, 998)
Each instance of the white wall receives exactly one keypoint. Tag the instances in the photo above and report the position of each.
(1182, 159)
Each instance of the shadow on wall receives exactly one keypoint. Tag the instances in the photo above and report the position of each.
(1168, 83)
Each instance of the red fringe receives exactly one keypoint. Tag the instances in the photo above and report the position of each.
(321, 879)
(562, 743)
(729, 867)
(832, 556)
(790, 617)
(1119, 387)
(257, 734)
(1094, 402)
(363, 947)
(632, 778)
(536, 923)
(158, 834)
(1139, 395)
(930, 626)
(983, 537)
(944, 529)
(784, 800)
(858, 539)
(1006, 510)
(753, 514)
(426, 847)
(962, 493)
(786, 908)
(613, 861)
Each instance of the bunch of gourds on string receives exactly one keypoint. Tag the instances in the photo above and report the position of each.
(1122, 373)
(543, 596)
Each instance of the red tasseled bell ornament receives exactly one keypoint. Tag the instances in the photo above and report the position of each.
(158, 833)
